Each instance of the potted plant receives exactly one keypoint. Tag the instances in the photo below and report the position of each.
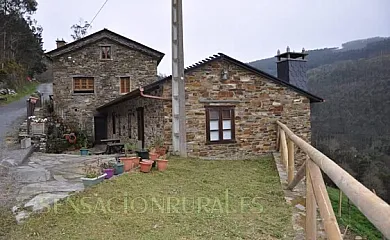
(128, 161)
(162, 164)
(159, 146)
(84, 151)
(146, 165)
(108, 168)
(118, 167)
(93, 175)
(153, 155)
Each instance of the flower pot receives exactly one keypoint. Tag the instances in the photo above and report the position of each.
(84, 152)
(128, 163)
(162, 164)
(146, 166)
(143, 154)
(88, 182)
(119, 168)
(109, 173)
(153, 156)
(136, 161)
(33, 100)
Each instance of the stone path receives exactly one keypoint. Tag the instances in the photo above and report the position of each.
(47, 178)
(11, 116)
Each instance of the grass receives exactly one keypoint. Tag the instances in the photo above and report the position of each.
(27, 89)
(7, 221)
(356, 221)
(193, 199)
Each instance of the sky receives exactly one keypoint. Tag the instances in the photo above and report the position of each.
(247, 30)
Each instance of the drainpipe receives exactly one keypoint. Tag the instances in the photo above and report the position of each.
(141, 90)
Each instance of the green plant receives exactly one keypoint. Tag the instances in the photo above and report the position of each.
(92, 170)
(158, 142)
(107, 165)
(85, 143)
(130, 146)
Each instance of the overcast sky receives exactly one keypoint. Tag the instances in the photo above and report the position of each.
(244, 29)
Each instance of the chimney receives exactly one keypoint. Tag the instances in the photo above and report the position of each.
(292, 68)
(60, 43)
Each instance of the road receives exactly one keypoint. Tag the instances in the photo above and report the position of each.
(11, 113)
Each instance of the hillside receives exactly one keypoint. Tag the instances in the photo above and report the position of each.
(352, 50)
(352, 125)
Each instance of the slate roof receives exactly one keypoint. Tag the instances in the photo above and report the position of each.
(102, 34)
(219, 56)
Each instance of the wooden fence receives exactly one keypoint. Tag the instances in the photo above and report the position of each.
(374, 208)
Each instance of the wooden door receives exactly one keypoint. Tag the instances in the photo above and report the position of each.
(100, 128)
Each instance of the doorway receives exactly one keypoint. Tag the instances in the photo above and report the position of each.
(100, 127)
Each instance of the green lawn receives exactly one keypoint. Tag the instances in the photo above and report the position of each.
(193, 199)
(356, 221)
(27, 89)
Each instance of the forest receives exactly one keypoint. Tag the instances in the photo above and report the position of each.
(352, 125)
(21, 43)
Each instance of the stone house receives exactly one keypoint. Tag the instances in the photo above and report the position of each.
(231, 108)
(95, 70)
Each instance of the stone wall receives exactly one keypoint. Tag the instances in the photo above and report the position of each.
(80, 108)
(153, 118)
(259, 102)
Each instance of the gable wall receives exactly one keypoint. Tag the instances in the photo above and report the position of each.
(141, 68)
(260, 103)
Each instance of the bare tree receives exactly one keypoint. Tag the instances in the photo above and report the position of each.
(80, 29)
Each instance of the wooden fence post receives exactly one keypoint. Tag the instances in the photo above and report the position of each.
(298, 177)
(340, 201)
(311, 209)
(291, 162)
(277, 138)
(322, 198)
(283, 147)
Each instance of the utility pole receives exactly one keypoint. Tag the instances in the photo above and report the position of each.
(178, 83)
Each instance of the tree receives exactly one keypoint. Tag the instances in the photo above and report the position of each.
(20, 41)
(80, 29)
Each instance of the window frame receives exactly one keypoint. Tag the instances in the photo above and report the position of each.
(101, 52)
(120, 85)
(220, 110)
(80, 90)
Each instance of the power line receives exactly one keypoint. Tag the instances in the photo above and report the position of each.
(90, 24)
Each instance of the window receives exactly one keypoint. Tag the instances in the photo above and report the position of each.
(83, 85)
(220, 124)
(113, 123)
(105, 52)
(125, 85)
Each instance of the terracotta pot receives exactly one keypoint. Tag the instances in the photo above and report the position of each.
(128, 163)
(146, 166)
(153, 156)
(162, 164)
(136, 161)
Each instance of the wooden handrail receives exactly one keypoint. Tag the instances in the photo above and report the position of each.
(374, 208)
